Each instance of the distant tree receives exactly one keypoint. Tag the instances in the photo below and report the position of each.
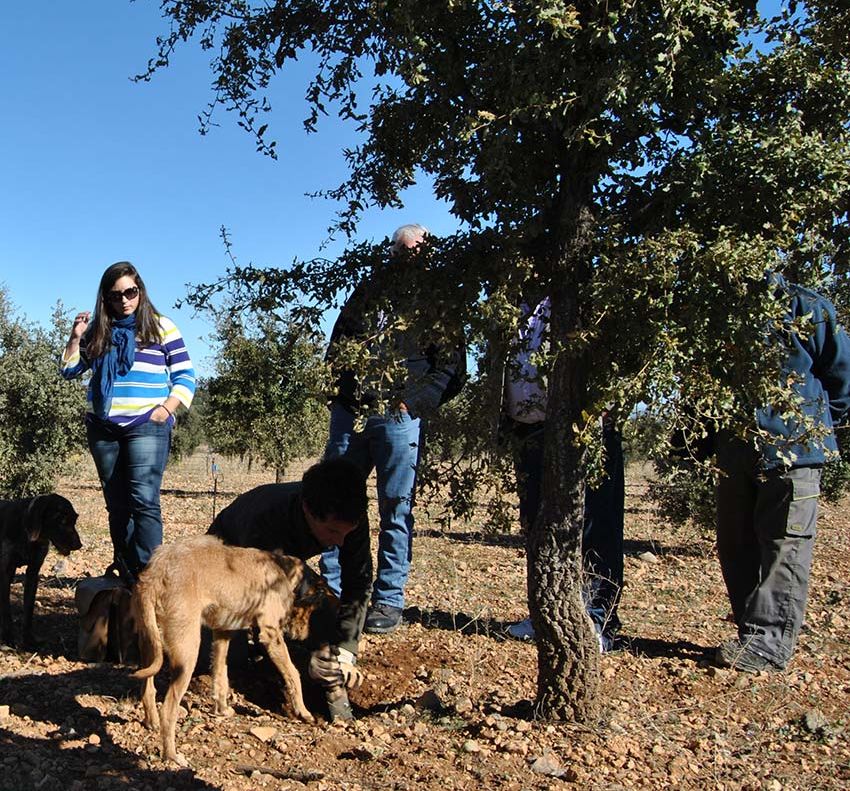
(641, 163)
(188, 434)
(266, 400)
(41, 415)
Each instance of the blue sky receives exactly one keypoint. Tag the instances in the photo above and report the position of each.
(98, 169)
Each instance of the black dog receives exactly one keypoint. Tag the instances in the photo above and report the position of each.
(27, 529)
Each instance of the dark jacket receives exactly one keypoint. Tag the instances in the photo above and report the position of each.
(429, 368)
(271, 517)
(821, 363)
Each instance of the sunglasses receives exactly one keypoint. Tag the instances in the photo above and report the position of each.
(127, 293)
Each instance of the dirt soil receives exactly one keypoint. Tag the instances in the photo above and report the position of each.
(447, 701)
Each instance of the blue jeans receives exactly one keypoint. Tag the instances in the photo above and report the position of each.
(604, 510)
(130, 463)
(390, 446)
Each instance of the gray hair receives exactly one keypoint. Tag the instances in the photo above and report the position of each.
(411, 232)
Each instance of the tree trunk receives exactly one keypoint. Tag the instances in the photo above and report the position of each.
(567, 646)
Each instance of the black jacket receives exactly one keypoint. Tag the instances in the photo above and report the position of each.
(271, 517)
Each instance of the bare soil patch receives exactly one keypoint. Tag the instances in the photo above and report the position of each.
(447, 702)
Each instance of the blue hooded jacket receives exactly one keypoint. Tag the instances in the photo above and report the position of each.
(822, 362)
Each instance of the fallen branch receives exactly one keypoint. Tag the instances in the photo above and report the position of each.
(280, 774)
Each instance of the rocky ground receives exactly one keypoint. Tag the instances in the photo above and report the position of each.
(447, 701)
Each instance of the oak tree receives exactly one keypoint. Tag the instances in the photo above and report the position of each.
(641, 163)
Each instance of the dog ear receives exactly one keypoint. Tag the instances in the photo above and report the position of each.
(305, 588)
(293, 568)
(34, 516)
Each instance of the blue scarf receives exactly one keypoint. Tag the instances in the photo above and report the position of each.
(117, 360)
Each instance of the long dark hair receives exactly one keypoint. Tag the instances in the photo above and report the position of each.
(99, 335)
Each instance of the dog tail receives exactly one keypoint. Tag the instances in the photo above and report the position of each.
(144, 613)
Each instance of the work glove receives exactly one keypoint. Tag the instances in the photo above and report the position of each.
(332, 666)
(352, 675)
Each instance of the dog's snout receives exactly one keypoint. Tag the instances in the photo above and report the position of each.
(69, 543)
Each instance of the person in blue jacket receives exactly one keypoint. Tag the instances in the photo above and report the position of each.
(767, 496)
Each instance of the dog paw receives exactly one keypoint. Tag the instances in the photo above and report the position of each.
(224, 711)
(151, 723)
(177, 759)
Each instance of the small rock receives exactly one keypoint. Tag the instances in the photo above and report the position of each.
(471, 746)
(265, 733)
(523, 726)
(515, 747)
(443, 675)
(463, 705)
(4, 713)
(94, 739)
(815, 721)
(618, 745)
(548, 764)
(648, 557)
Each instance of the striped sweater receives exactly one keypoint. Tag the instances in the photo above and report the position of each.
(158, 371)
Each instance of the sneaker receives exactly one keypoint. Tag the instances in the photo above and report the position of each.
(382, 618)
(734, 654)
(607, 642)
(522, 630)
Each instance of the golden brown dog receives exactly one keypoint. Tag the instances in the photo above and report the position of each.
(200, 581)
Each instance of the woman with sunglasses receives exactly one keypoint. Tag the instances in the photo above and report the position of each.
(141, 373)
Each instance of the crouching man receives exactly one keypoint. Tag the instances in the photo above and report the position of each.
(327, 508)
